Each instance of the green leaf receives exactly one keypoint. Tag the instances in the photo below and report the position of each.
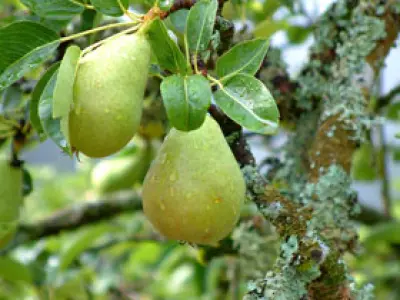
(27, 183)
(54, 9)
(110, 7)
(51, 127)
(178, 20)
(186, 100)
(6, 126)
(270, 7)
(245, 57)
(34, 104)
(387, 232)
(267, 28)
(200, 25)
(63, 91)
(169, 56)
(80, 242)
(393, 111)
(298, 34)
(13, 270)
(11, 99)
(23, 47)
(155, 71)
(363, 167)
(396, 154)
(248, 102)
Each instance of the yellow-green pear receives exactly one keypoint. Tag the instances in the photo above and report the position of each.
(194, 189)
(108, 94)
(122, 173)
(11, 199)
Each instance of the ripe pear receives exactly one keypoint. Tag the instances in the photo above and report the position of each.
(194, 189)
(11, 198)
(108, 94)
(122, 173)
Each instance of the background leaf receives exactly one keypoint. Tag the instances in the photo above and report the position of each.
(169, 56)
(363, 167)
(27, 182)
(393, 111)
(298, 34)
(23, 47)
(245, 57)
(110, 7)
(200, 25)
(387, 232)
(54, 9)
(186, 100)
(270, 7)
(34, 104)
(11, 99)
(80, 243)
(13, 270)
(51, 127)
(268, 27)
(178, 20)
(249, 103)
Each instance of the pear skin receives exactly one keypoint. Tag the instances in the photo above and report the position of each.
(194, 189)
(108, 95)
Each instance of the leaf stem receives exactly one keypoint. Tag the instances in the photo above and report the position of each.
(129, 14)
(215, 81)
(87, 6)
(186, 50)
(94, 30)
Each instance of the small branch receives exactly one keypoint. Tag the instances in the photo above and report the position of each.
(75, 217)
(387, 99)
(370, 216)
(385, 190)
(237, 142)
(133, 239)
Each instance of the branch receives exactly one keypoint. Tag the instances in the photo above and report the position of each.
(273, 73)
(78, 216)
(133, 239)
(385, 100)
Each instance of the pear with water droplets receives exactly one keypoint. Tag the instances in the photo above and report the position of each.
(108, 94)
(194, 189)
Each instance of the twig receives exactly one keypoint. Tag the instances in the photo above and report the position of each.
(385, 190)
(385, 100)
(75, 217)
(148, 238)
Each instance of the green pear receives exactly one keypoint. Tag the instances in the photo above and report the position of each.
(108, 95)
(122, 173)
(194, 189)
(11, 199)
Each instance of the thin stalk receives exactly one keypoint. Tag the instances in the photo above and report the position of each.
(385, 189)
(99, 43)
(127, 13)
(87, 6)
(94, 30)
